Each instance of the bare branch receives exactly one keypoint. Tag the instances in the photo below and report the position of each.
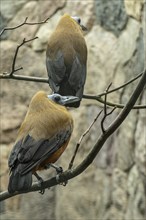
(80, 140)
(111, 104)
(25, 78)
(32, 23)
(99, 99)
(105, 108)
(16, 53)
(23, 23)
(124, 85)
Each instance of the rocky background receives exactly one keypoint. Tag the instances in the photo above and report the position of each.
(113, 187)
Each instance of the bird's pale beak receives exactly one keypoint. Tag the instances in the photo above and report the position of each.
(83, 27)
(70, 99)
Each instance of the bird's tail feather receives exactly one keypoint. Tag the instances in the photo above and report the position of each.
(18, 182)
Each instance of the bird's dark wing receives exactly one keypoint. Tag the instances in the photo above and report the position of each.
(77, 76)
(56, 70)
(66, 80)
(29, 153)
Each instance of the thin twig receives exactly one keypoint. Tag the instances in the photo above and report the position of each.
(80, 140)
(111, 104)
(105, 108)
(23, 23)
(33, 23)
(123, 85)
(25, 78)
(16, 53)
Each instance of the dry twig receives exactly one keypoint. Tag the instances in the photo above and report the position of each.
(105, 109)
(80, 140)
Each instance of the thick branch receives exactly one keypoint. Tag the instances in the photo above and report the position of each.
(69, 174)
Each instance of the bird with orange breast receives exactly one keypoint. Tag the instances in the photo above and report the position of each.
(66, 58)
(42, 138)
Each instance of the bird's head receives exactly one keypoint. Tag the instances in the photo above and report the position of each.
(63, 100)
(78, 20)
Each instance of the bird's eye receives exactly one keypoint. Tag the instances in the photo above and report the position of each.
(57, 98)
(78, 20)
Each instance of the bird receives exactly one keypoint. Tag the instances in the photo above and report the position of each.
(42, 138)
(66, 58)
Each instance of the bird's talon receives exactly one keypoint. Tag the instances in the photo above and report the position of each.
(61, 183)
(64, 183)
(59, 170)
(42, 191)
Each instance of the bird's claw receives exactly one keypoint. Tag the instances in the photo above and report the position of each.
(64, 183)
(40, 182)
(59, 170)
(42, 191)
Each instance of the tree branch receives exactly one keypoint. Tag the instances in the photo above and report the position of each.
(69, 174)
(105, 109)
(23, 23)
(15, 56)
(120, 87)
(80, 140)
(92, 97)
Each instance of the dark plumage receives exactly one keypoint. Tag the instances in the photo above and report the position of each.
(42, 138)
(66, 58)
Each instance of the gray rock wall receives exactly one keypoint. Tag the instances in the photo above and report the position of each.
(113, 187)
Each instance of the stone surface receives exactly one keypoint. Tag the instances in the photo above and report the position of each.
(44, 32)
(2, 26)
(136, 196)
(36, 12)
(82, 9)
(111, 15)
(49, 8)
(15, 93)
(30, 10)
(140, 141)
(10, 8)
(110, 56)
(134, 8)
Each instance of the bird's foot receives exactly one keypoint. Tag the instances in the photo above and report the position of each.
(57, 168)
(40, 181)
(64, 183)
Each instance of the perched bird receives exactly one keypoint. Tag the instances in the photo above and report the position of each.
(66, 58)
(42, 138)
